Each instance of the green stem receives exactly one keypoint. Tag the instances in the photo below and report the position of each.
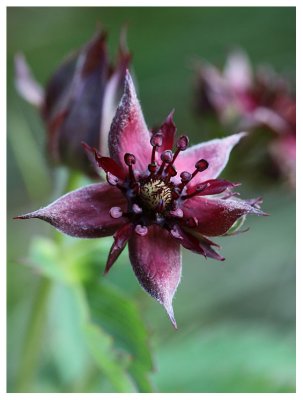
(33, 337)
(36, 322)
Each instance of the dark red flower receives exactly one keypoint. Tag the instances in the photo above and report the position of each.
(154, 199)
(250, 100)
(79, 101)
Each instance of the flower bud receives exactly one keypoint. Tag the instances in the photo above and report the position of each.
(79, 101)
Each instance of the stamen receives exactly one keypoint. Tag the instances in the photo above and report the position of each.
(115, 212)
(156, 141)
(200, 166)
(152, 168)
(130, 160)
(166, 158)
(185, 178)
(170, 170)
(182, 144)
(141, 230)
(176, 193)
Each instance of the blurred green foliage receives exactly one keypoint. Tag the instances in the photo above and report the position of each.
(71, 330)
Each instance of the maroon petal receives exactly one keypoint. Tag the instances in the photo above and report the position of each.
(106, 163)
(156, 261)
(58, 87)
(128, 132)
(84, 212)
(25, 83)
(196, 243)
(215, 152)
(168, 130)
(121, 238)
(215, 216)
(210, 187)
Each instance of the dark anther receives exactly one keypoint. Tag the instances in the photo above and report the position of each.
(182, 143)
(167, 156)
(201, 165)
(185, 176)
(156, 140)
(129, 159)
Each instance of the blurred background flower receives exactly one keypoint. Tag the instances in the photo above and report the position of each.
(86, 333)
(79, 101)
(241, 98)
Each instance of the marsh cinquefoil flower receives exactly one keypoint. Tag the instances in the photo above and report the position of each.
(79, 101)
(252, 99)
(154, 200)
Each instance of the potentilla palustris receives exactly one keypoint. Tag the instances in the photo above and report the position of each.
(154, 199)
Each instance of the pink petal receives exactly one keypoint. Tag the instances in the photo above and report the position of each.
(128, 132)
(215, 152)
(84, 212)
(267, 117)
(121, 238)
(214, 215)
(25, 83)
(215, 94)
(156, 261)
(238, 72)
(113, 92)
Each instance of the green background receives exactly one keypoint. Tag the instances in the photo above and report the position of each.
(236, 319)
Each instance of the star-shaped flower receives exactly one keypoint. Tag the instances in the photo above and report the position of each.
(154, 199)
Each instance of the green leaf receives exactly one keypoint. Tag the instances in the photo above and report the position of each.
(120, 317)
(76, 341)
(71, 260)
(101, 348)
(229, 358)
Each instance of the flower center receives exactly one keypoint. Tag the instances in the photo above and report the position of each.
(156, 194)
(153, 195)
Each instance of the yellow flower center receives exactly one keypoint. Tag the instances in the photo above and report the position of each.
(156, 193)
